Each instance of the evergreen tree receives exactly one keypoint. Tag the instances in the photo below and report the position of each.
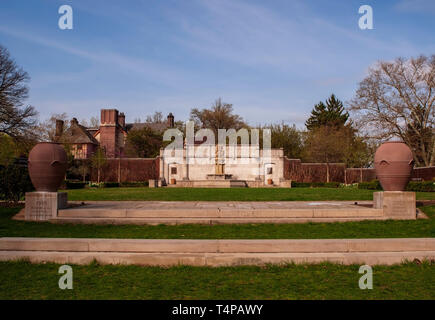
(331, 114)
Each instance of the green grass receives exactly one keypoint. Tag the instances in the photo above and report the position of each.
(22, 280)
(363, 229)
(227, 194)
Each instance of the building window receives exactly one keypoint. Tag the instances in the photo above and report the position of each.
(173, 170)
(269, 170)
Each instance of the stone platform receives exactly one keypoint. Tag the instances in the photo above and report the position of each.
(210, 183)
(216, 252)
(203, 212)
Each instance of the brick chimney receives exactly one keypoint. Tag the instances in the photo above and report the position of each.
(59, 129)
(171, 122)
(121, 119)
(74, 122)
(109, 117)
(109, 132)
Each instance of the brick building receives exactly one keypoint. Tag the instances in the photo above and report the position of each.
(111, 135)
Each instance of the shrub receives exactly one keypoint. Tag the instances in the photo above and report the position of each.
(96, 184)
(372, 185)
(300, 184)
(14, 182)
(332, 185)
(315, 184)
(423, 186)
(111, 185)
(74, 184)
(416, 186)
(134, 184)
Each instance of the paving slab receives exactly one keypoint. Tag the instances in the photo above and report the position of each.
(219, 212)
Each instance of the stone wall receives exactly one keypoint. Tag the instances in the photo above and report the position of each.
(131, 170)
(128, 170)
(424, 173)
(356, 175)
(295, 170)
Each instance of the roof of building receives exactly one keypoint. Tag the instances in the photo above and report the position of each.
(158, 127)
(77, 133)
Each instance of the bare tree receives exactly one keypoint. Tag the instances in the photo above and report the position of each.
(16, 120)
(397, 99)
(47, 128)
(157, 117)
(326, 144)
(94, 122)
(219, 116)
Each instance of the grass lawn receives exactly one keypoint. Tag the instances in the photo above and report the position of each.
(22, 280)
(363, 229)
(228, 194)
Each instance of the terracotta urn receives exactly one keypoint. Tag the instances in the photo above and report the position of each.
(393, 165)
(47, 166)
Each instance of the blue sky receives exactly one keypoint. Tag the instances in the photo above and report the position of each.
(272, 59)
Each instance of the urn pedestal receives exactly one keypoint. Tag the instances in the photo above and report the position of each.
(43, 205)
(397, 205)
(47, 167)
(393, 164)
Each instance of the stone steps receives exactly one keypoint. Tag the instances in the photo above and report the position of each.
(203, 221)
(220, 213)
(213, 214)
(216, 252)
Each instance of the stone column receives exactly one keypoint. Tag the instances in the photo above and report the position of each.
(186, 165)
(161, 180)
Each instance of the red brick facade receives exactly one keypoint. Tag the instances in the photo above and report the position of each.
(295, 170)
(109, 132)
(128, 170)
(139, 170)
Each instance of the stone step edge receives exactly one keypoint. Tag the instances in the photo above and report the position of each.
(220, 213)
(218, 246)
(205, 221)
(215, 259)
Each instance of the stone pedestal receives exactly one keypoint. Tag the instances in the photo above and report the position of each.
(152, 183)
(396, 204)
(44, 205)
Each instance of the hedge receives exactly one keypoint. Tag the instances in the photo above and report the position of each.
(111, 185)
(134, 184)
(416, 186)
(424, 186)
(14, 182)
(372, 185)
(75, 184)
(315, 184)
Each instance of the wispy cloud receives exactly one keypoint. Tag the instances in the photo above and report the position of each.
(253, 35)
(152, 70)
(418, 6)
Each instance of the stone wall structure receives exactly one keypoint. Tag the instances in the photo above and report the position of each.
(144, 169)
